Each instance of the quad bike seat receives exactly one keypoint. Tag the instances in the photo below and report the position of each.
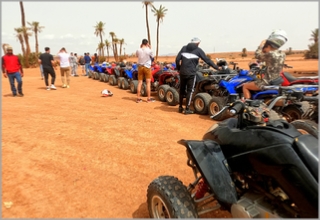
(291, 78)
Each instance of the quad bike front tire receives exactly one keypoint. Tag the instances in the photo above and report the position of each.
(172, 96)
(292, 113)
(119, 81)
(134, 86)
(215, 105)
(162, 92)
(124, 84)
(112, 80)
(101, 77)
(306, 127)
(90, 74)
(106, 79)
(201, 103)
(167, 197)
(97, 76)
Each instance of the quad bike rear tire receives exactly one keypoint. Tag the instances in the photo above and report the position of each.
(90, 74)
(201, 103)
(162, 92)
(215, 105)
(167, 197)
(134, 86)
(101, 77)
(144, 89)
(124, 84)
(107, 78)
(119, 81)
(172, 96)
(292, 113)
(306, 127)
(112, 80)
(97, 76)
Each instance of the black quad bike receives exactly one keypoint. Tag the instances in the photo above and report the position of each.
(251, 166)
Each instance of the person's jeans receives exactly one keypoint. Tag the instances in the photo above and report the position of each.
(16, 76)
(41, 70)
(87, 68)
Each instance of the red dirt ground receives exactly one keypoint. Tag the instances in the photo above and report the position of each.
(71, 153)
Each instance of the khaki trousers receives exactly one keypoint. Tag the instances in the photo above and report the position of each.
(65, 75)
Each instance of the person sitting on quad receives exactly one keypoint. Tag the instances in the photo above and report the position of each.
(274, 61)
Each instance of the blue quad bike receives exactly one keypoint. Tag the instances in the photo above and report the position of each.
(228, 91)
(130, 73)
(249, 165)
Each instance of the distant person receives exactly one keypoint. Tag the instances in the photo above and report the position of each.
(64, 67)
(82, 63)
(95, 59)
(145, 57)
(76, 66)
(268, 52)
(73, 64)
(186, 63)
(47, 62)
(87, 60)
(12, 69)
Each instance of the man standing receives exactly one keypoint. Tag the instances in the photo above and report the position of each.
(64, 67)
(145, 57)
(186, 63)
(10, 67)
(47, 62)
(73, 63)
(87, 60)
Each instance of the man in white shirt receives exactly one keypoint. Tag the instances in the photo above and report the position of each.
(64, 67)
(145, 57)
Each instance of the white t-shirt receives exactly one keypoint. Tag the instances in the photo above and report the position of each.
(144, 56)
(64, 59)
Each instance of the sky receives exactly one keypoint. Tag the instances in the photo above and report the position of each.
(222, 26)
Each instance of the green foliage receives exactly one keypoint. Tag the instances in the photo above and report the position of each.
(33, 60)
(313, 52)
(244, 52)
(289, 52)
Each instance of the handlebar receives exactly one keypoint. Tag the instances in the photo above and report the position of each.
(287, 66)
(237, 107)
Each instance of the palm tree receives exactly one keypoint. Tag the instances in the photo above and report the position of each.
(121, 42)
(20, 38)
(116, 41)
(146, 4)
(25, 35)
(36, 28)
(100, 48)
(107, 44)
(113, 36)
(315, 35)
(99, 31)
(159, 13)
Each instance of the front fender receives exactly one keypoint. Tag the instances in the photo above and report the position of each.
(213, 166)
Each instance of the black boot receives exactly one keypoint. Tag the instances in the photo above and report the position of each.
(188, 111)
(181, 109)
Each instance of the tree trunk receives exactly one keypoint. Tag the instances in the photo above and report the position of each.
(157, 41)
(25, 36)
(101, 50)
(147, 21)
(37, 43)
(22, 45)
(108, 52)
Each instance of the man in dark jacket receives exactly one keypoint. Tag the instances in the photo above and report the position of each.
(186, 62)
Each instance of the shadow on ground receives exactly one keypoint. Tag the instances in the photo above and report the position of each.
(141, 212)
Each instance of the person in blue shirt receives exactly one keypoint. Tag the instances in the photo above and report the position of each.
(87, 60)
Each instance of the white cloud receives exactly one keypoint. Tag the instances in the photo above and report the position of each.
(48, 36)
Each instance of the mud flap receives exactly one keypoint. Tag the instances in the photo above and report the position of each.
(212, 164)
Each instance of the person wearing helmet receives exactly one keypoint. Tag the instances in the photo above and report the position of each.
(269, 53)
(186, 63)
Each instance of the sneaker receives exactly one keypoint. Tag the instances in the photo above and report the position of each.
(139, 100)
(68, 86)
(14, 95)
(188, 111)
(64, 86)
(48, 87)
(151, 100)
(181, 109)
(21, 94)
(53, 87)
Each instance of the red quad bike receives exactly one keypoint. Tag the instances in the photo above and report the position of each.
(251, 166)
(168, 79)
(114, 73)
(290, 80)
(155, 73)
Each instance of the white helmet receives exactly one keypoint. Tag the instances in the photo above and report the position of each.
(277, 38)
(106, 93)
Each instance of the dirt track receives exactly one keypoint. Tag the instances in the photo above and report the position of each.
(71, 153)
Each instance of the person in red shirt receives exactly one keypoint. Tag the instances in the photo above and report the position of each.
(12, 69)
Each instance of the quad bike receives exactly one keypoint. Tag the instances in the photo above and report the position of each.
(251, 166)
(289, 80)
(225, 92)
(130, 74)
(168, 78)
(116, 76)
(206, 79)
(155, 73)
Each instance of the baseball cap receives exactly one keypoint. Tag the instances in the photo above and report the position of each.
(9, 48)
(195, 40)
